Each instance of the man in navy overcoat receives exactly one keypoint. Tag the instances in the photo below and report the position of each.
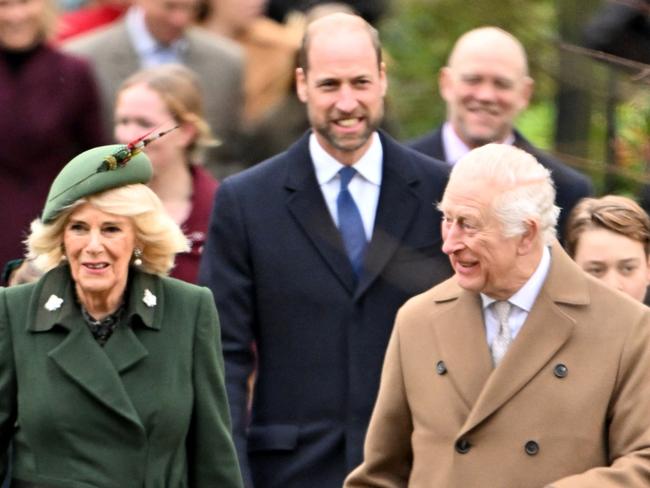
(311, 316)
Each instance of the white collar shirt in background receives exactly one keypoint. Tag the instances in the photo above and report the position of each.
(149, 50)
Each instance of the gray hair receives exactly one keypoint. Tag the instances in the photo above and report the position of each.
(528, 192)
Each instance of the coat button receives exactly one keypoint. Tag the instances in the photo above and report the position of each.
(441, 367)
(531, 448)
(560, 370)
(463, 446)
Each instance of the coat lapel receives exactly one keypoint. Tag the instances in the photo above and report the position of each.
(548, 327)
(124, 349)
(95, 370)
(83, 361)
(307, 205)
(397, 206)
(461, 338)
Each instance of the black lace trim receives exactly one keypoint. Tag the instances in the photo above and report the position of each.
(103, 329)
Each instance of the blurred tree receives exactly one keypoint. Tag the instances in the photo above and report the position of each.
(573, 102)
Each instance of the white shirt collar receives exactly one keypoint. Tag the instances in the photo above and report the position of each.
(454, 146)
(143, 42)
(527, 294)
(369, 165)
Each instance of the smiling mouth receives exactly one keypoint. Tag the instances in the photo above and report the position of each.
(96, 265)
(465, 265)
(480, 110)
(349, 122)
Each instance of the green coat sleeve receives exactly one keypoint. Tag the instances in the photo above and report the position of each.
(7, 386)
(212, 458)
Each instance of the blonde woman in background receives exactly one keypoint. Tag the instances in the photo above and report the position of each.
(160, 98)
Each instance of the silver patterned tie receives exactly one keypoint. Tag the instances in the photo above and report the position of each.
(503, 338)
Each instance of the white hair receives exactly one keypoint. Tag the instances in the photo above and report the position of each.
(527, 192)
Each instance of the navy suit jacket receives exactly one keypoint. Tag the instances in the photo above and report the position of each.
(570, 185)
(276, 264)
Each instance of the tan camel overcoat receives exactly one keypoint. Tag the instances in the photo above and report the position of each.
(568, 406)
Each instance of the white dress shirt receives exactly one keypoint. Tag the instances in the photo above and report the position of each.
(364, 186)
(522, 302)
(149, 50)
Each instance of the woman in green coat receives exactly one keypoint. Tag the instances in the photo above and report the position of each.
(111, 374)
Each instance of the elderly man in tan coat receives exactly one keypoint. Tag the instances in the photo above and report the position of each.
(521, 371)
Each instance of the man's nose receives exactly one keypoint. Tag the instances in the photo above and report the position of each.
(347, 100)
(450, 238)
(486, 92)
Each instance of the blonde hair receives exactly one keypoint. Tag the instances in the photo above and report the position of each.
(158, 236)
(615, 213)
(180, 90)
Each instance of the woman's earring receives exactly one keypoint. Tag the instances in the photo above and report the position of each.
(137, 256)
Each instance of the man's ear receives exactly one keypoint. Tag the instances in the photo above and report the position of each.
(528, 240)
(301, 85)
(444, 82)
(528, 89)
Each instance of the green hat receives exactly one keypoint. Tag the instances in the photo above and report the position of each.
(94, 171)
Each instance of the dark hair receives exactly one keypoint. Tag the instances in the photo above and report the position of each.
(611, 212)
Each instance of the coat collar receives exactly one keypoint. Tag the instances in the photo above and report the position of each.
(57, 286)
(99, 373)
(459, 331)
(398, 204)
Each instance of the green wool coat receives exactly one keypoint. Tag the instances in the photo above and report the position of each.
(148, 410)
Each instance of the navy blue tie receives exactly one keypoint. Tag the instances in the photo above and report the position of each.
(350, 223)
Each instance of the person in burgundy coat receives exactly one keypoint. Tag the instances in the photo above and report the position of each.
(50, 112)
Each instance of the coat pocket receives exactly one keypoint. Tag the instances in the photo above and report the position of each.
(277, 437)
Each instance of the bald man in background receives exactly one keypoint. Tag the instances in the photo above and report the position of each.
(486, 85)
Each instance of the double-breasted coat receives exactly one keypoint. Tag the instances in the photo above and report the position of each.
(567, 407)
(148, 410)
(282, 279)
